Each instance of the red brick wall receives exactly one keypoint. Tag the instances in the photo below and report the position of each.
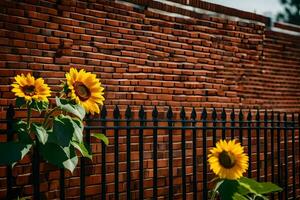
(144, 57)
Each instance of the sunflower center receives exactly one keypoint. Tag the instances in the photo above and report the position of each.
(82, 91)
(29, 90)
(226, 159)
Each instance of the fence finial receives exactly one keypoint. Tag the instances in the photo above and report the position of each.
(223, 115)
(266, 115)
(10, 113)
(103, 112)
(204, 114)
(241, 115)
(249, 116)
(142, 114)
(128, 113)
(214, 114)
(193, 114)
(182, 113)
(116, 112)
(155, 113)
(170, 113)
(232, 115)
(257, 115)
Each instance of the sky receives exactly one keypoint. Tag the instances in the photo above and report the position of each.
(264, 7)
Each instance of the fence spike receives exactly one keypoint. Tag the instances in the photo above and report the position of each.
(128, 113)
(266, 115)
(155, 113)
(232, 115)
(293, 117)
(10, 113)
(257, 115)
(182, 113)
(249, 116)
(214, 114)
(116, 112)
(204, 114)
(193, 114)
(103, 112)
(285, 117)
(241, 115)
(170, 113)
(223, 114)
(142, 114)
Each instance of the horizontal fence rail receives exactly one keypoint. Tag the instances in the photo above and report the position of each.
(153, 153)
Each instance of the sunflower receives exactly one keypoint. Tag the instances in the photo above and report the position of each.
(29, 88)
(228, 160)
(85, 89)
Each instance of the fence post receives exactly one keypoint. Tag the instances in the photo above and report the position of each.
(103, 154)
(116, 114)
(223, 119)
(266, 146)
(249, 122)
(10, 113)
(204, 147)
(142, 117)
(183, 154)
(241, 118)
(170, 133)
(155, 124)
(232, 124)
(193, 117)
(128, 115)
(258, 145)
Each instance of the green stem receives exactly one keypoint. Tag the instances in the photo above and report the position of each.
(48, 115)
(28, 118)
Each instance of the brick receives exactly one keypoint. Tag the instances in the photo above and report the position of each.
(144, 58)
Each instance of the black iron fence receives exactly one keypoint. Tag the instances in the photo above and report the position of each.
(271, 140)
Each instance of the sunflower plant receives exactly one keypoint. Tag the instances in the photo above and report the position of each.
(228, 161)
(58, 137)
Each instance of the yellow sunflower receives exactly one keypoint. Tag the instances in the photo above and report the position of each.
(228, 160)
(29, 88)
(85, 89)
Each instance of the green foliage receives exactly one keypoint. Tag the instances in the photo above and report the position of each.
(39, 105)
(12, 152)
(244, 188)
(81, 147)
(35, 105)
(57, 139)
(63, 130)
(23, 136)
(62, 157)
(40, 132)
(102, 137)
(70, 107)
(291, 12)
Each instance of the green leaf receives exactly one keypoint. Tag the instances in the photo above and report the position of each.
(215, 191)
(40, 132)
(63, 157)
(259, 188)
(228, 188)
(20, 128)
(101, 136)
(237, 196)
(20, 102)
(78, 129)
(63, 129)
(83, 150)
(67, 106)
(12, 152)
(39, 105)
